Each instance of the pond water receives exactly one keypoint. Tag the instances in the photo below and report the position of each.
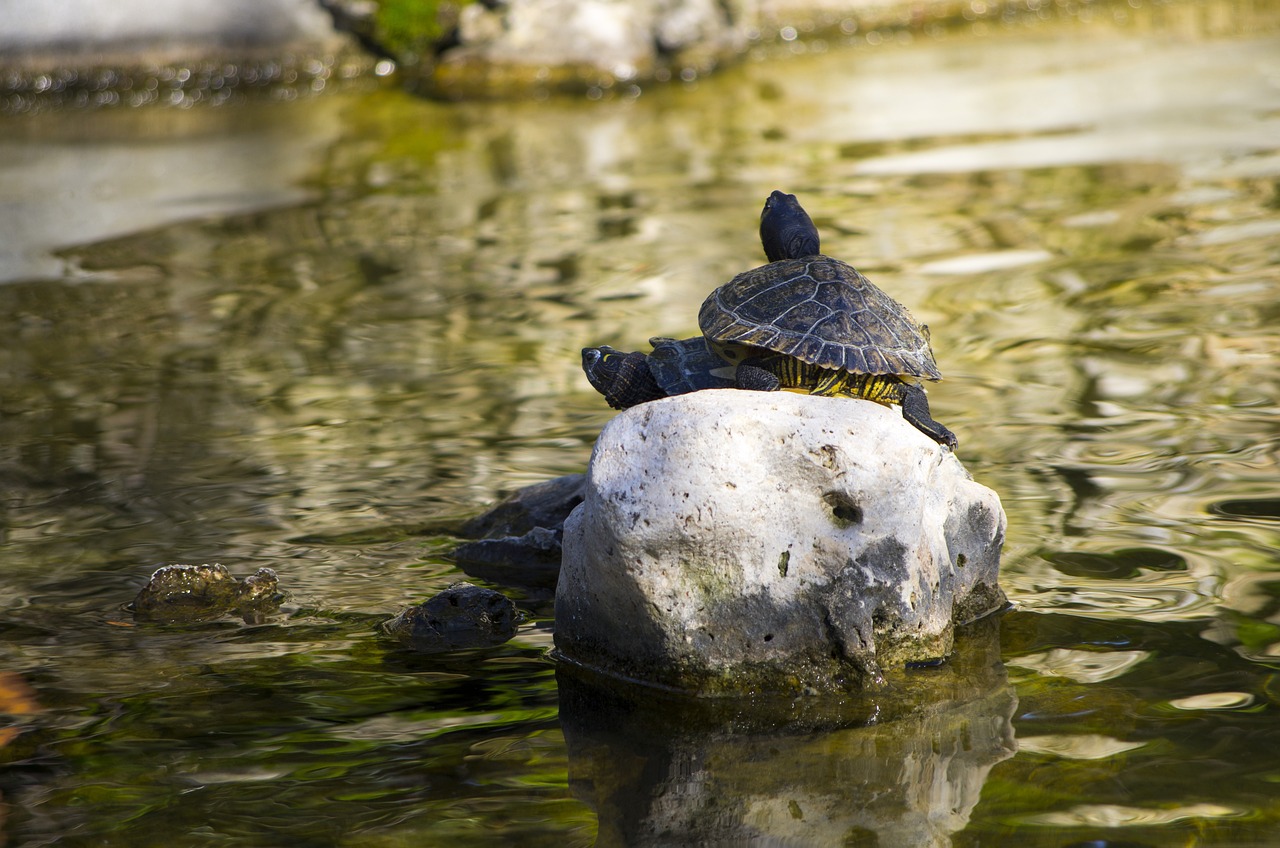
(308, 333)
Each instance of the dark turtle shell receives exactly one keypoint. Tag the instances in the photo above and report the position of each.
(821, 311)
(688, 365)
(675, 367)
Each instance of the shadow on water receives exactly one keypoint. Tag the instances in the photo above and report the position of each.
(313, 335)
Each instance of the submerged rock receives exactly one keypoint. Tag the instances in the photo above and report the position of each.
(462, 616)
(734, 541)
(190, 593)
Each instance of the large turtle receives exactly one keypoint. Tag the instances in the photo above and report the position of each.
(675, 367)
(808, 321)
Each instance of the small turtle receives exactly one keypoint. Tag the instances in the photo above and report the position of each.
(807, 321)
(462, 616)
(192, 593)
(675, 367)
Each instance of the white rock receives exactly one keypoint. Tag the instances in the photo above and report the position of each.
(732, 540)
(613, 36)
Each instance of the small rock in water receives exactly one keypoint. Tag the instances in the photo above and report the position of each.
(190, 593)
(462, 616)
(738, 541)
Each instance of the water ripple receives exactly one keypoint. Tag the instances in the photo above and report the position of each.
(1114, 815)
(1081, 666)
(1086, 746)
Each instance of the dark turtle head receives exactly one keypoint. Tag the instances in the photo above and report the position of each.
(623, 378)
(786, 230)
(602, 365)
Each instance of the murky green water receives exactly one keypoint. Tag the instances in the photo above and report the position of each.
(301, 334)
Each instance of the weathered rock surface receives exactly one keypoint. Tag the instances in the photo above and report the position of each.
(85, 47)
(732, 541)
(462, 616)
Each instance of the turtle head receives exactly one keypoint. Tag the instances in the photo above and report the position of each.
(623, 378)
(786, 230)
(602, 365)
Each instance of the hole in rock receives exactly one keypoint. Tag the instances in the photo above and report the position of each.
(844, 512)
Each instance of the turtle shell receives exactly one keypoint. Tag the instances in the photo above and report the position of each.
(821, 311)
(688, 365)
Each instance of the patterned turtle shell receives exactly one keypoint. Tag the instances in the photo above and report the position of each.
(821, 311)
(687, 365)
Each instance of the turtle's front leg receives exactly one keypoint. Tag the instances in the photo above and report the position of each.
(754, 378)
(915, 408)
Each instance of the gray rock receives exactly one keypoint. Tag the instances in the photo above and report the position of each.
(462, 616)
(514, 44)
(520, 42)
(733, 540)
(88, 32)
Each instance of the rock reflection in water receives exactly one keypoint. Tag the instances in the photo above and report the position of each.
(134, 170)
(903, 768)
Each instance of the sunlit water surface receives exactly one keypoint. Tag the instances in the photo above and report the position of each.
(301, 335)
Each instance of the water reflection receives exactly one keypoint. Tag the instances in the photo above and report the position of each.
(1143, 705)
(905, 769)
(66, 183)
(320, 386)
